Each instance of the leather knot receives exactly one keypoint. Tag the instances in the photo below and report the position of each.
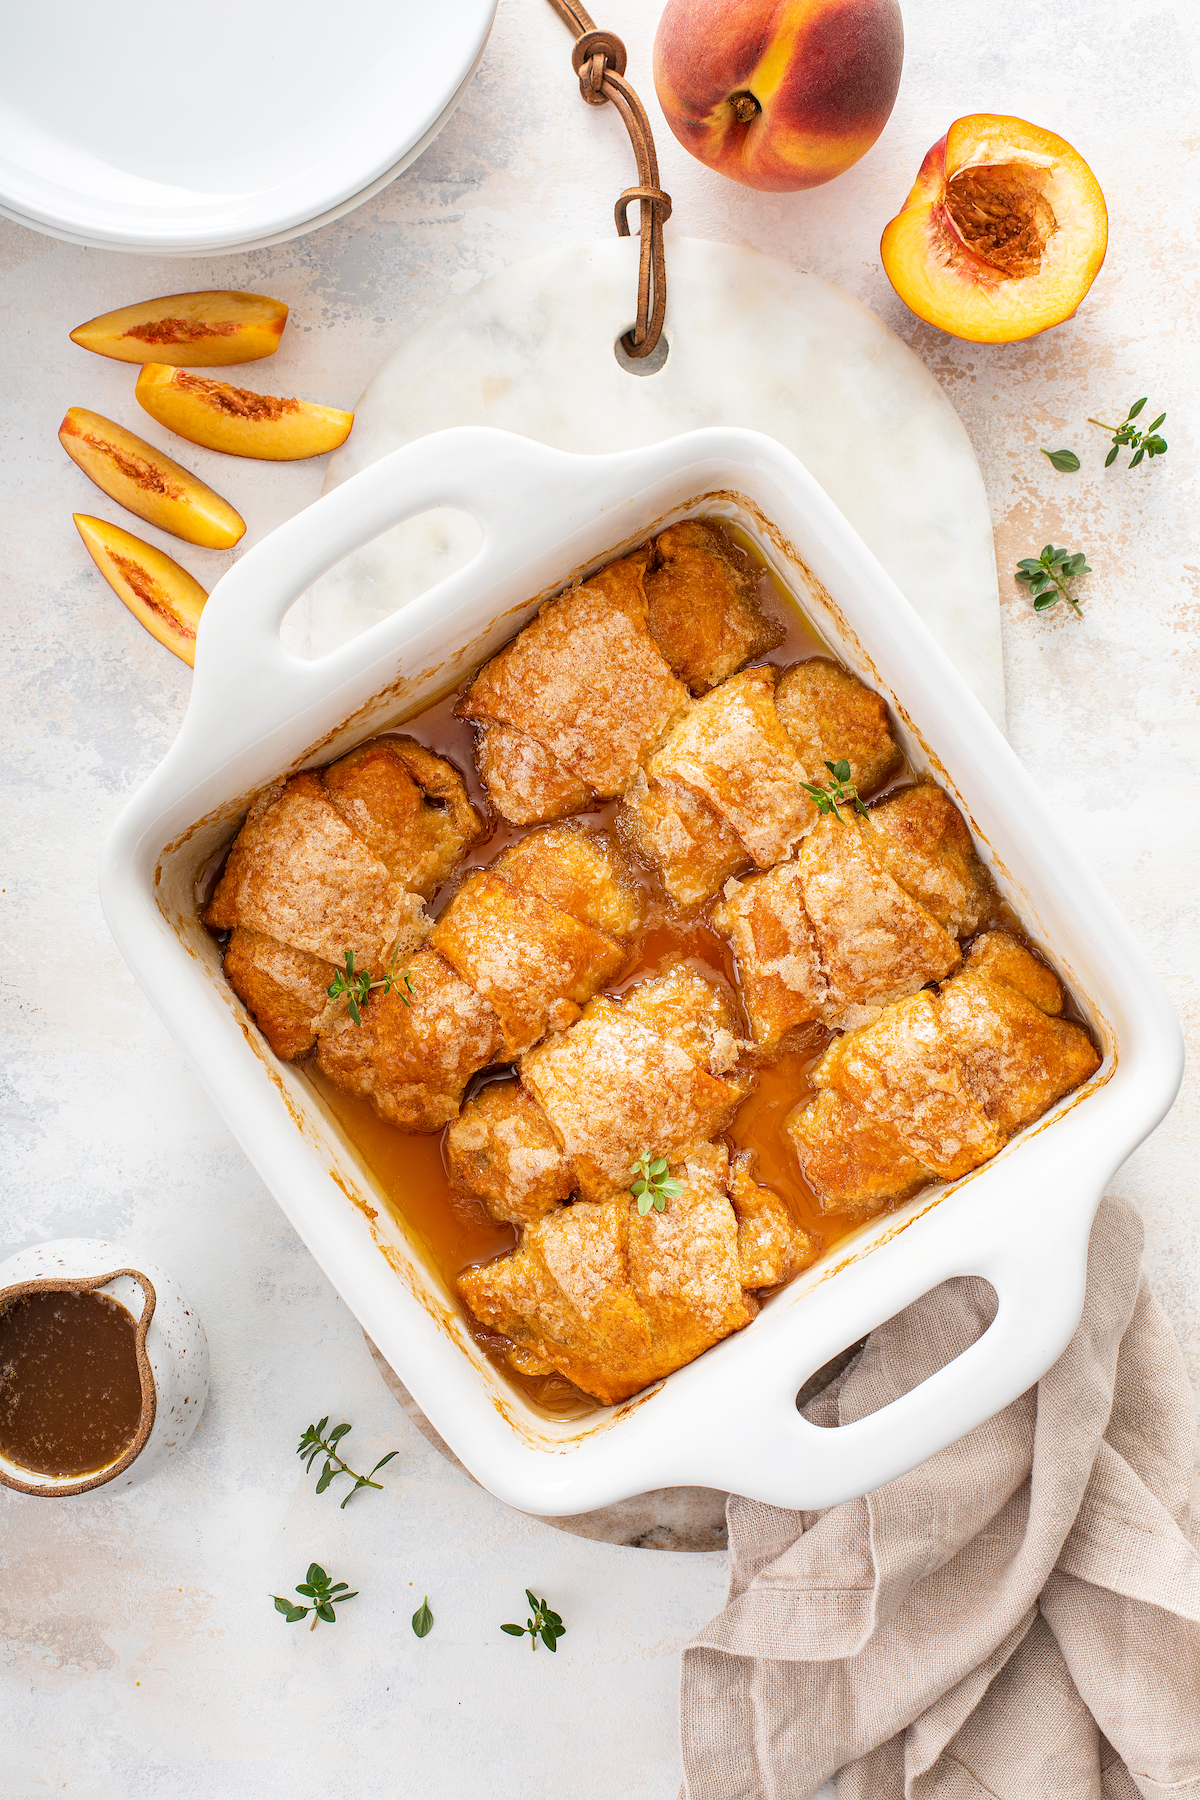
(594, 53)
(599, 60)
(659, 200)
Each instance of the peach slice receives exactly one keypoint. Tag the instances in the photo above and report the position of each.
(141, 478)
(1002, 235)
(237, 421)
(160, 595)
(197, 331)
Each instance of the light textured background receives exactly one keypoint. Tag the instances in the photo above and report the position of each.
(141, 1655)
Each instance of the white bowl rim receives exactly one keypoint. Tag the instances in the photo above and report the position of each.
(272, 216)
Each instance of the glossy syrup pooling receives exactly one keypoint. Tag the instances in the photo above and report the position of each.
(70, 1390)
(408, 1169)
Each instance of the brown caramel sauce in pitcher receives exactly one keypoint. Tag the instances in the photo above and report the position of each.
(70, 1388)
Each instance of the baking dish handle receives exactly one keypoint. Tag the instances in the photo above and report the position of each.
(779, 1457)
(247, 678)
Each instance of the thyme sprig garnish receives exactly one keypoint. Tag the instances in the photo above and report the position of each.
(839, 792)
(314, 1444)
(1142, 443)
(544, 1624)
(358, 985)
(422, 1619)
(652, 1187)
(316, 1587)
(1047, 575)
(1064, 460)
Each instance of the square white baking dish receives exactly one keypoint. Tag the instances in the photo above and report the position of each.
(729, 1419)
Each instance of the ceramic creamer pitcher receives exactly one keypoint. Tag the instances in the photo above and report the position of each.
(169, 1343)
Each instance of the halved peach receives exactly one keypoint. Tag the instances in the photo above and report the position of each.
(160, 595)
(198, 331)
(141, 478)
(237, 421)
(1002, 235)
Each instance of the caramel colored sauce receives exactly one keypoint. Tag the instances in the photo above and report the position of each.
(70, 1391)
(408, 1169)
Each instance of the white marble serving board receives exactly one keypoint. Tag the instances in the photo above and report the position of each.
(750, 342)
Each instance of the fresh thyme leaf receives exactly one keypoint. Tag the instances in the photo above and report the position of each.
(1046, 576)
(314, 1443)
(358, 986)
(1064, 460)
(323, 1596)
(653, 1187)
(545, 1624)
(839, 792)
(1142, 443)
(422, 1619)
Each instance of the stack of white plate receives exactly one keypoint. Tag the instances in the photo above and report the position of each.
(185, 130)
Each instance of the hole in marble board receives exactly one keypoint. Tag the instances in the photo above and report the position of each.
(379, 579)
(974, 1300)
(642, 365)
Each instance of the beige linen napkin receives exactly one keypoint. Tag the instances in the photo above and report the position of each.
(1018, 1618)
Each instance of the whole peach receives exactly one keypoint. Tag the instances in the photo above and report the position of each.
(778, 94)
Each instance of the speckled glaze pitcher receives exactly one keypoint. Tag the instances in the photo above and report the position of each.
(169, 1343)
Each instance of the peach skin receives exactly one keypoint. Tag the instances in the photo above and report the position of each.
(237, 421)
(778, 94)
(195, 331)
(140, 478)
(160, 595)
(1002, 235)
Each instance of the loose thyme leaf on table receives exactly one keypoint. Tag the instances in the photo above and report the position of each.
(839, 792)
(1142, 443)
(422, 1619)
(313, 1443)
(1047, 575)
(1065, 460)
(653, 1187)
(359, 986)
(544, 1624)
(324, 1596)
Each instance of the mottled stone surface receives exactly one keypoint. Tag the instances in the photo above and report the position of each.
(748, 342)
(142, 1656)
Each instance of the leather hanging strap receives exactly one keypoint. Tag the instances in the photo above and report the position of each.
(599, 61)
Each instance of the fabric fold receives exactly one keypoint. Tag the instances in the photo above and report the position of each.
(1018, 1617)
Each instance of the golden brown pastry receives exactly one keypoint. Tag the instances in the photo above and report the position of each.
(613, 1087)
(829, 714)
(704, 612)
(615, 1301)
(941, 1081)
(286, 990)
(417, 1047)
(654, 1071)
(505, 963)
(336, 860)
(829, 935)
(502, 1150)
(581, 694)
(533, 962)
(725, 791)
(595, 1290)
(923, 841)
